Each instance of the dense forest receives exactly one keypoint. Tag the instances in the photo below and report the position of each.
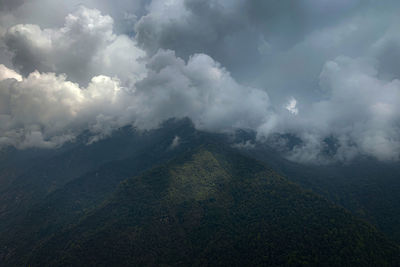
(200, 203)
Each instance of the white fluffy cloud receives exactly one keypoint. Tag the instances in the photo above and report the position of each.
(331, 71)
(199, 89)
(362, 108)
(359, 113)
(84, 47)
(6, 73)
(45, 109)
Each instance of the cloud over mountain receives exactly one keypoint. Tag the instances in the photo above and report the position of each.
(324, 72)
(46, 109)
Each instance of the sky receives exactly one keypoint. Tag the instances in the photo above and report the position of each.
(325, 72)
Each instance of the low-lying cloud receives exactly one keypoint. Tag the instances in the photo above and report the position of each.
(326, 75)
(46, 109)
(359, 112)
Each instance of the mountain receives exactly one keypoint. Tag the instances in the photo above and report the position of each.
(213, 206)
(368, 188)
(172, 196)
(44, 190)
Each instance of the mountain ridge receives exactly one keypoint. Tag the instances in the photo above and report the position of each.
(237, 215)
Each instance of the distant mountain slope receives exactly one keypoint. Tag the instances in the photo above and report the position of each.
(368, 188)
(50, 196)
(53, 188)
(212, 206)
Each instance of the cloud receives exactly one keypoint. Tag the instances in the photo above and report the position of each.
(10, 4)
(245, 145)
(181, 25)
(187, 25)
(234, 32)
(362, 107)
(291, 106)
(175, 142)
(359, 115)
(199, 89)
(84, 47)
(330, 69)
(6, 73)
(45, 109)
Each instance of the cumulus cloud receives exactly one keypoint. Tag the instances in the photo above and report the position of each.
(330, 68)
(236, 33)
(6, 73)
(84, 47)
(362, 107)
(359, 115)
(199, 89)
(45, 109)
(181, 25)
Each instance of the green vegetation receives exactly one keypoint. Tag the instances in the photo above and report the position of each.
(131, 200)
(212, 206)
(368, 188)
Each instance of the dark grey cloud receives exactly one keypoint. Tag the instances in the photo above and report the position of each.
(10, 4)
(233, 32)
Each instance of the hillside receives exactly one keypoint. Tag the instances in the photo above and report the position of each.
(43, 191)
(212, 206)
(366, 187)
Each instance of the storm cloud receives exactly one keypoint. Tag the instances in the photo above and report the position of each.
(324, 72)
